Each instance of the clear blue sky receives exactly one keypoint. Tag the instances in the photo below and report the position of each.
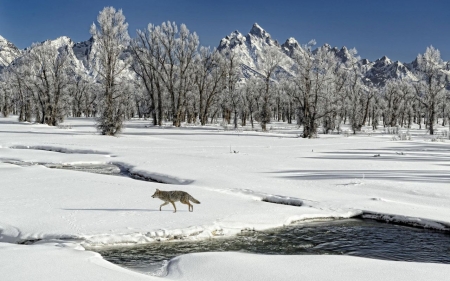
(399, 29)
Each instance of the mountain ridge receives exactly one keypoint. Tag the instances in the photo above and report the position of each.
(248, 48)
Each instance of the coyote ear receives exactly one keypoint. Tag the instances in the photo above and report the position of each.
(157, 189)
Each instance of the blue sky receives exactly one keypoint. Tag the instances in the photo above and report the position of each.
(399, 29)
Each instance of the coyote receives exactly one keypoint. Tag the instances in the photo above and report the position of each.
(174, 196)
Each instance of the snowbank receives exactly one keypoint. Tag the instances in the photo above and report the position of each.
(239, 266)
(56, 262)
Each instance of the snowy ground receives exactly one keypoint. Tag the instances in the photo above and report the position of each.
(232, 173)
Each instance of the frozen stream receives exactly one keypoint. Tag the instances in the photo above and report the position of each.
(104, 169)
(363, 238)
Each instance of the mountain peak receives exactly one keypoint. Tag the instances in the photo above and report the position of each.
(292, 41)
(385, 60)
(8, 52)
(232, 40)
(259, 31)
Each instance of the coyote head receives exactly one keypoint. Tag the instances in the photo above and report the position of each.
(156, 194)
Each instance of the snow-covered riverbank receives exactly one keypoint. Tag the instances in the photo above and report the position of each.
(235, 175)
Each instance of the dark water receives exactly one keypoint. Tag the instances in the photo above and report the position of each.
(363, 238)
(105, 169)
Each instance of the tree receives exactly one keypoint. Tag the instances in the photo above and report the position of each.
(48, 78)
(313, 86)
(251, 91)
(146, 65)
(175, 51)
(231, 100)
(209, 79)
(431, 85)
(83, 96)
(271, 60)
(111, 38)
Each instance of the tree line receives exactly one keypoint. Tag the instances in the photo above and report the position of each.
(165, 75)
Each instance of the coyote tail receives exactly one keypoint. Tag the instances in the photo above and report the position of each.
(194, 200)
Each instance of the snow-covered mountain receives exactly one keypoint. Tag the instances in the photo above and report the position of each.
(60, 44)
(248, 49)
(87, 53)
(82, 56)
(8, 52)
(83, 51)
(384, 69)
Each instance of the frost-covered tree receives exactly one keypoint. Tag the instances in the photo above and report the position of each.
(48, 77)
(251, 92)
(430, 88)
(17, 94)
(272, 58)
(209, 76)
(230, 99)
(111, 37)
(83, 94)
(398, 98)
(146, 64)
(359, 94)
(312, 87)
(5, 94)
(175, 51)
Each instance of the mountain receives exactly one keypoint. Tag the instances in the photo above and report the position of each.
(251, 49)
(8, 52)
(82, 56)
(248, 49)
(384, 69)
(83, 50)
(86, 52)
(291, 46)
(62, 43)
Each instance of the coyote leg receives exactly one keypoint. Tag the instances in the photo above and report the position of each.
(189, 205)
(174, 207)
(164, 204)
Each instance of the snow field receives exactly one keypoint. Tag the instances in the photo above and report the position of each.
(330, 177)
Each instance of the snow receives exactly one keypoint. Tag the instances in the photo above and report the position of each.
(292, 41)
(8, 52)
(58, 261)
(258, 31)
(274, 180)
(215, 266)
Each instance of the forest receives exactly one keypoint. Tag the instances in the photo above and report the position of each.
(163, 74)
